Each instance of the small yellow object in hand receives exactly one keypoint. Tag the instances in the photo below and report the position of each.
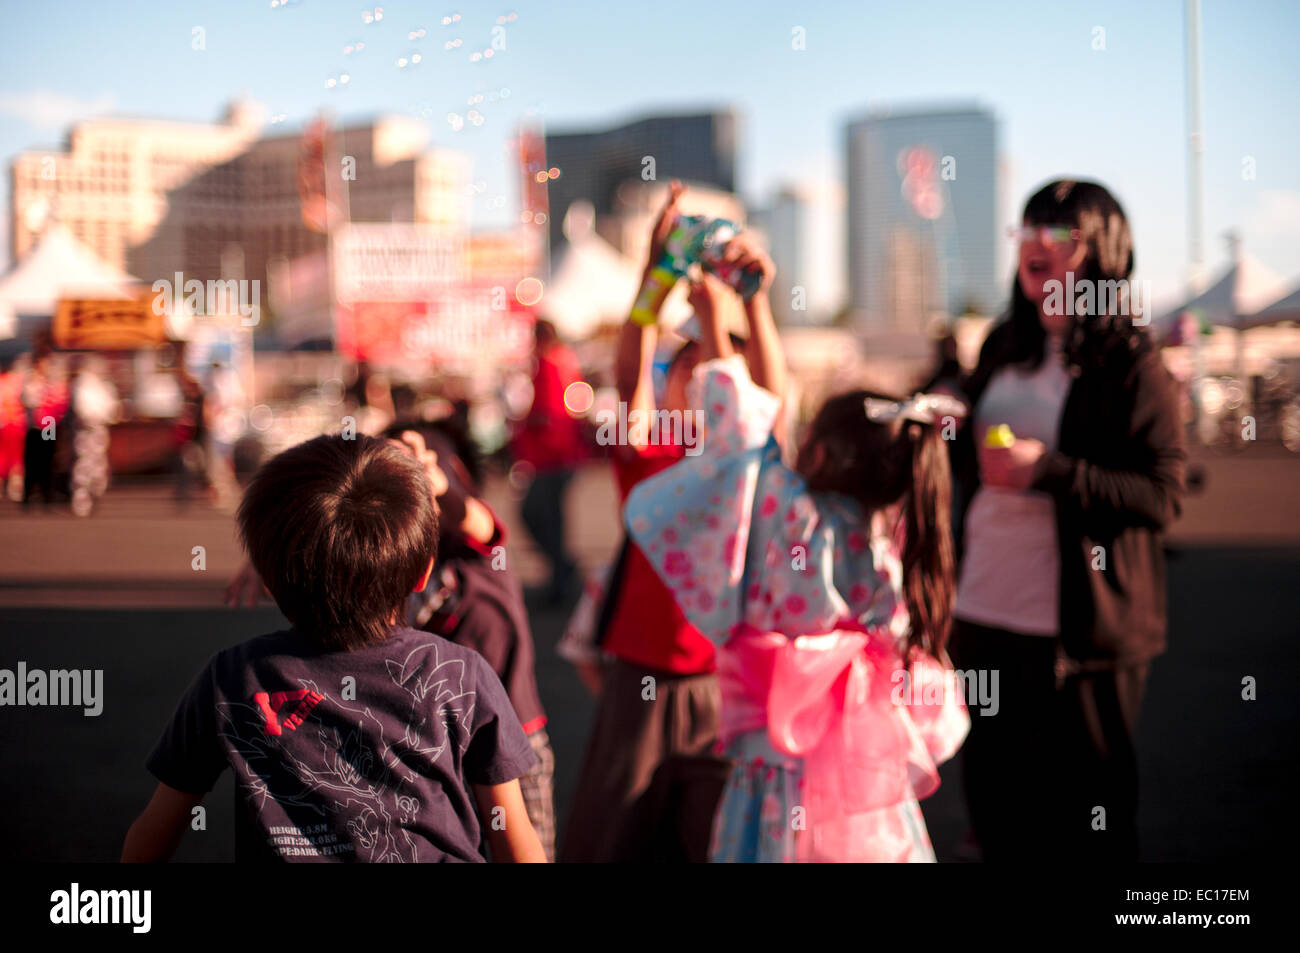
(999, 437)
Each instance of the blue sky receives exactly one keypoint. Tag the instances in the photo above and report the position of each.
(1115, 114)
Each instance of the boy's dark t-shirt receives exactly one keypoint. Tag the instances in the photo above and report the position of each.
(476, 606)
(382, 775)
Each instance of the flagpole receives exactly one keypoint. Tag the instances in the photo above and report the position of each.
(1195, 153)
(1195, 194)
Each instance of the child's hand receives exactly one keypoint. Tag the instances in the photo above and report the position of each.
(437, 479)
(1014, 467)
(663, 225)
(744, 251)
(705, 295)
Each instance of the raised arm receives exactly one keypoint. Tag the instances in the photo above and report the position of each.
(634, 364)
(763, 353)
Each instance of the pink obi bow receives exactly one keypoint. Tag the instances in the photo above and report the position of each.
(869, 731)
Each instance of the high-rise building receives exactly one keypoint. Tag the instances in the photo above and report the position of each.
(802, 226)
(592, 165)
(219, 201)
(922, 217)
(109, 184)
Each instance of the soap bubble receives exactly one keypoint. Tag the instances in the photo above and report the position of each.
(578, 398)
(529, 291)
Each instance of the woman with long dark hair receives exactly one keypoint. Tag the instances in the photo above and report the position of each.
(1070, 470)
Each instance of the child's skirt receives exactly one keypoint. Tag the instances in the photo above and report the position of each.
(759, 816)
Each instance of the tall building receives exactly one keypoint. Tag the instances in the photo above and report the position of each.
(219, 201)
(803, 229)
(922, 217)
(592, 165)
(109, 184)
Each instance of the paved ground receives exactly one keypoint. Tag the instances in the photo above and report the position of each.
(1213, 765)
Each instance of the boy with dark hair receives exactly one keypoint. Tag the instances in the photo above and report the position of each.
(351, 736)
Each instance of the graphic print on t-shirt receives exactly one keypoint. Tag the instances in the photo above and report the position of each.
(343, 766)
(270, 703)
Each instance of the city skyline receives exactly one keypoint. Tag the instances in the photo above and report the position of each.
(1065, 106)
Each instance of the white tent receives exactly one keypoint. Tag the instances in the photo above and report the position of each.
(592, 283)
(1284, 309)
(1233, 298)
(59, 266)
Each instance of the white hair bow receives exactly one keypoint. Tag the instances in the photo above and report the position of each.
(922, 408)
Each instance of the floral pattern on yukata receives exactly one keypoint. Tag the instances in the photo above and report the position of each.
(737, 537)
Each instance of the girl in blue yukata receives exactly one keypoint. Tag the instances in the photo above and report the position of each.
(828, 590)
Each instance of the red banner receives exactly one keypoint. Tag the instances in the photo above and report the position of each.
(463, 329)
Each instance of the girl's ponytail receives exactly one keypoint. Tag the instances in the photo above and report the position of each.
(883, 452)
(929, 559)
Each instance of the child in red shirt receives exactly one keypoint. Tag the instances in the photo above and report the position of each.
(650, 781)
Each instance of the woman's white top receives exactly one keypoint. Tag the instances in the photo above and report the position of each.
(1010, 574)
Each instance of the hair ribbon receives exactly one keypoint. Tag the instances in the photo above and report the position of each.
(921, 408)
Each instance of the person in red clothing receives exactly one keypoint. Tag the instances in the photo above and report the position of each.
(550, 440)
(13, 428)
(650, 780)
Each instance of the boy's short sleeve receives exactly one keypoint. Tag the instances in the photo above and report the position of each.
(188, 756)
(498, 748)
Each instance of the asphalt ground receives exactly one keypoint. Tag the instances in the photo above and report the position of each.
(1215, 768)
